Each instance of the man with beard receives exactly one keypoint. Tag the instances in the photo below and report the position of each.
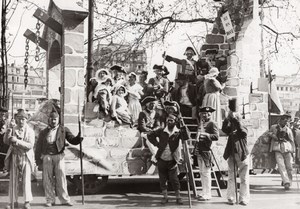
(50, 154)
(208, 132)
(167, 140)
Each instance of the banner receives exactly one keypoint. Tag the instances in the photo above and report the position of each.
(226, 21)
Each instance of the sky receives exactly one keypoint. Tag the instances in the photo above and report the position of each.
(174, 45)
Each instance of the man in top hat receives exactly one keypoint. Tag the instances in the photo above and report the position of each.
(49, 154)
(167, 140)
(3, 126)
(20, 157)
(188, 65)
(149, 120)
(185, 95)
(283, 146)
(208, 132)
(237, 155)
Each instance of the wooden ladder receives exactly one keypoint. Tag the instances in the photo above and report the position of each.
(193, 172)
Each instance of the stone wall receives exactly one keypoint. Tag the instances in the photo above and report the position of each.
(243, 54)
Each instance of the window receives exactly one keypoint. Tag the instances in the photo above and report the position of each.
(18, 70)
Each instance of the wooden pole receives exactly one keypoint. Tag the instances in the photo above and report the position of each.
(89, 67)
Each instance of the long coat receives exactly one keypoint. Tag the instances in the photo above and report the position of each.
(24, 145)
(237, 138)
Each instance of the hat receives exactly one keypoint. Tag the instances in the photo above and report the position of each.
(117, 87)
(189, 49)
(213, 71)
(148, 99)
(102, 70)
(132, 74)
(118, 68)
(173, 115)
(172, 104)
(211, 51)
(232, 104)
(206, 109)
(53, 114)
(144, 72)
(3, 109)
(21, 114)
(287, 114)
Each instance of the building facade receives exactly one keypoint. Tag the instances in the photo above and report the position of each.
(106, 56)
(26, 98)
(288, 88)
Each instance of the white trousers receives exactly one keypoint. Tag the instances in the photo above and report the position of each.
(14, 177)
(54, 178)
(285, 167)
(243, 169)
(205, 173)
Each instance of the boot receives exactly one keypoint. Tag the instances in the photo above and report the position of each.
(178, 198)
(165, 197)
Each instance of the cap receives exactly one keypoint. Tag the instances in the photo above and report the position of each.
(54, 114)
(287, 114)
(21, 114)
(118, 68)
(132, 74)
(148, 99)
(206, 109)
(189, 49)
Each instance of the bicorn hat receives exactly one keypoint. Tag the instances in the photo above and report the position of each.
(148, 99)
(189, 49)
(118, 68)
(206, 109)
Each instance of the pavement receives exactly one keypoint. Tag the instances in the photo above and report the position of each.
(140, 192)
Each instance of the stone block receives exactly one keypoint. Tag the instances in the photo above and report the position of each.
(68, 93)
(233, 82)
(209, 46)
(75, 41)
(233, 72)
(70, 75)
(74, 25)
(215, 30)
(264, 124)
(253, 107)
(224, 46)
(74, 61)
(230, 91)
(81, 78)
(257, 115)
(246, 82)
(262, 107)
(256, 98)
(214, 39)
(71, 109)
(68, 50)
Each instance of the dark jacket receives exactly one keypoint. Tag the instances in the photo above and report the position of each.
(41, 145)
(164, 139)
(237, 138)
(212, 129)
(146, 124)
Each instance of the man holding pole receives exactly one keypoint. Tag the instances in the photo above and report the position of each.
(237, 155)
(20, 158)
(50, 155)
(208, 131)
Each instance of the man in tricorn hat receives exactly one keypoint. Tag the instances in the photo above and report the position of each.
(20, 138)
(237, 155)
(49, 154)
(188, 65)
(208, 132)
(283, 146)
(149, 120)
(3, 126)
(168, 155)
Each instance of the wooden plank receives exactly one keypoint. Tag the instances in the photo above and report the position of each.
(48, 21)
(32, 37)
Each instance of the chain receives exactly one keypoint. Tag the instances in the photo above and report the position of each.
(37, 49)
(26, 63)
